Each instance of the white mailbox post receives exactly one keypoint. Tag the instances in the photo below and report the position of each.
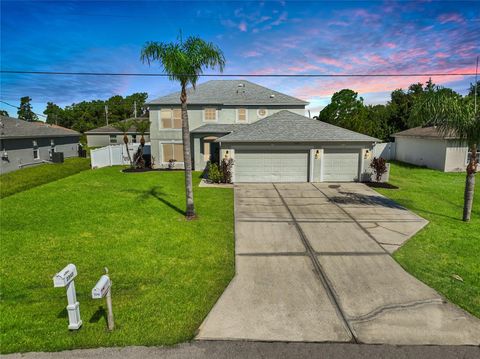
(64, 278)
(103, 289)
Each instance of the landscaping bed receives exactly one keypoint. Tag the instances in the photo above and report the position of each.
(444, 255)
(167, 272)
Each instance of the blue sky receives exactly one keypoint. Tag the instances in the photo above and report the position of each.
(266, 37)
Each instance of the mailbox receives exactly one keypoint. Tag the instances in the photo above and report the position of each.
(65, 278)
(102, 287)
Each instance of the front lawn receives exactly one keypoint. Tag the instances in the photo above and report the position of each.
(447, 246)
(25, 178)
(167, 273)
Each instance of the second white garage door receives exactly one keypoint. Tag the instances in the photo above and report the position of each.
(341, 166)
(271, 166)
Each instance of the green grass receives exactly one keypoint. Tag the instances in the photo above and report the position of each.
(29, 177)
(167, 272)
(447, 246)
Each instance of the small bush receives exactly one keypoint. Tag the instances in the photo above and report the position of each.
(171, 164)
(214, 173)
(379, 166)
(226, 170)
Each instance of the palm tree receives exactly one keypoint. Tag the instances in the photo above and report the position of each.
(142, 126)
(185, 61)
(454, 115)
(124, 127)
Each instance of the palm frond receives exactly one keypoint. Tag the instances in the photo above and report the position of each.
(122, 126)
(142, 126)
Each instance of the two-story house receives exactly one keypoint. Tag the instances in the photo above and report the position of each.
(264, 131)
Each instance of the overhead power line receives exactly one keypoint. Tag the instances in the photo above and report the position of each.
(415, 74)
(18, 108)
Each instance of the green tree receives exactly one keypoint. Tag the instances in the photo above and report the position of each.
(54, 113)
(474, 87)
(4, 113)
(124, 127)
(454, 115)
(25, 111)
(185, 61)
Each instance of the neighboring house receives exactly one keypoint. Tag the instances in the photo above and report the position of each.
(109, 135)
(25, 143)
(264, 131)
(427, 146)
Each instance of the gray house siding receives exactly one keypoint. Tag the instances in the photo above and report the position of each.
(101, 140)
(20, 150)
(225, 115)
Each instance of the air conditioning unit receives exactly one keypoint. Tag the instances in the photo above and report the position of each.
(57, 157)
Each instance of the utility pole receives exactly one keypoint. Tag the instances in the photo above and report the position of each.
(135, 109)
(106, 113)
(476, 89)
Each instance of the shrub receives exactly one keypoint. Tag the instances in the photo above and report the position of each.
(171, 164)
(214, 173)
(226, 170)
(379, 166)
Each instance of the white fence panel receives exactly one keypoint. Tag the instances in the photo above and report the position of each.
(114, 155)
(385, 150)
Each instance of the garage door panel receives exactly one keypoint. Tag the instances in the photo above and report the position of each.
(340, 166)
(274, 166)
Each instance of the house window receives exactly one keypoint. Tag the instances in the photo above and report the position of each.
(134, 138)
(207, 148)
(113, 139)
(210, 114)
(177, 118)
(36, 154)
(242, 115)
(469, 155)
(166, 118)
(172, 151)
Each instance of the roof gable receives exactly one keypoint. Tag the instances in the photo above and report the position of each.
(287, 126)
(230, 92)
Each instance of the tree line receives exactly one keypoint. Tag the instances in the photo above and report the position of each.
(348, 110)
(87, 115)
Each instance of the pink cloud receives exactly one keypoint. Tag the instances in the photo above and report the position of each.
(441, 55)
(251, 53)
(451, 17)
(242, 26)
(390, 45)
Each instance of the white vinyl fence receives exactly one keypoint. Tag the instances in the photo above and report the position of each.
(114, 155)
(385, 150)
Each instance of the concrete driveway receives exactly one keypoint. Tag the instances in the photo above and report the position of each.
(313, 264)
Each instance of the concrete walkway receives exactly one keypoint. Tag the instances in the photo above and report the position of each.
(313, 265)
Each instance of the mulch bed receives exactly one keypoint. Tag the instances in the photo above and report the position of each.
(134, 170)
(381, 185)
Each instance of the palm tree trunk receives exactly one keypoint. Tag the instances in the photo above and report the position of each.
(470, 184)
(125, 140)
(187, 157)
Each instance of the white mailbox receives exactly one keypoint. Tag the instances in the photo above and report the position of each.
(64, 278)
(103, 289)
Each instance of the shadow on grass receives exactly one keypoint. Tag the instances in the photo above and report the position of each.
(156, 192)
(63, 313)
(99, 314)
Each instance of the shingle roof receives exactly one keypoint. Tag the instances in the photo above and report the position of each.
(218, 128)
(426, 132)
(230, 92)
(287, 126)
(110, 130)
(14, 128)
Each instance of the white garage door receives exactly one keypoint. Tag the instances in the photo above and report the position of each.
(341, 166)
(271, 166)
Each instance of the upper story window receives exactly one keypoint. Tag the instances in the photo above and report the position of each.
(171, 118)
(242, 116)
(210, 114)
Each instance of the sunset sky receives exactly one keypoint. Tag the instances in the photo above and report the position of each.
(294, 37)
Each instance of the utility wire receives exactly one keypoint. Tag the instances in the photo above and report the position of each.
(431, 74)
(18, 108)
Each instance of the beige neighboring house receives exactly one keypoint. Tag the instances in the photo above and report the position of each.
(426, 146)
(109, 135)
(264, 131)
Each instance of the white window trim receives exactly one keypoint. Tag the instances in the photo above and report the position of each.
(246, 116)
(38, 153)
(466, 156)
(209, 121)
(160, 123)
(166, 143)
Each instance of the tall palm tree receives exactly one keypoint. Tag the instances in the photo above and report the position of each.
(185, 61)
(142, 126)
(454, 115)
(124, 127)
